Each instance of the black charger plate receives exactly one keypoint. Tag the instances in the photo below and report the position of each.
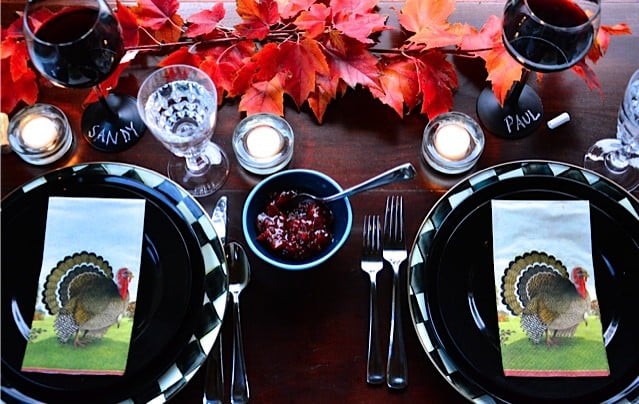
(181, 296)
(452, 293)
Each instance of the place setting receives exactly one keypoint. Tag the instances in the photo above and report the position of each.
(518, 282)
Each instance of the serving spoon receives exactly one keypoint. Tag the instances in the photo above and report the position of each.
(402, 172)
(239, 275)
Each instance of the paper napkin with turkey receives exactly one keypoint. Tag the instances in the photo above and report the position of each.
(87, 290)
(547, 308)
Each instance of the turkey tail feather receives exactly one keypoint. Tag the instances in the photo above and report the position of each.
(520, 278)
(58, 283)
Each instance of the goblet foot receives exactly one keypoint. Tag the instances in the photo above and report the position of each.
(605, 158)
(517, 118)
(112, 124)
(205, 181)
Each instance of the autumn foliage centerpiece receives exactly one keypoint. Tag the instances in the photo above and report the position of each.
(312, 51)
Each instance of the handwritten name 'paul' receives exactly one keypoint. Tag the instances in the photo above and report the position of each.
(519, 122)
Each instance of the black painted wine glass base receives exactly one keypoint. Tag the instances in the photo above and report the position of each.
(516, 119)
(112, 124)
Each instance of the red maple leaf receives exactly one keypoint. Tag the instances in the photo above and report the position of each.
(301, 62)
(129, 24)
(354, 64)
(602, 40)
(222, 64)
(264, 96)
(360, 26)
(503, 69)
(205, 21)
(313, 20)
(357, 19)
(161, 17)
(399, 84)
(428, 20)
(291, 8)
(261, 67)
(326, 89)
(154, 14)
(15, 70)
(437, 80)
(588, 75)
(181, 56)
(353, 6)
(257, 18)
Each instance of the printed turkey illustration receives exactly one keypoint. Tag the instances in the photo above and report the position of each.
(85, 298)
(537, 287)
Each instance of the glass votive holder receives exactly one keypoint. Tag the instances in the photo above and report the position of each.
(263, 143)
(40, 134)
(452, 143)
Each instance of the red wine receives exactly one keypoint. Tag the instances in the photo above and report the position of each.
(547, 35)
(77, 47)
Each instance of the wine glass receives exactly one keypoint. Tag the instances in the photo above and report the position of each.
(78, 44)
(178, 103)
(618, 159)
(544, 36)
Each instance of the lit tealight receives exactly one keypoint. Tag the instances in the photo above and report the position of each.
(40, 134)
(452, 141)
(263, 142)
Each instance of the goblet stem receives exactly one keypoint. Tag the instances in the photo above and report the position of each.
(519, 116)
(197, 164)
(113, 114)
(515, 93)
(618, 161)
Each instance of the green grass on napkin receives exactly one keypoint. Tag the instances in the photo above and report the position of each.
(582, 351)
(106, 354)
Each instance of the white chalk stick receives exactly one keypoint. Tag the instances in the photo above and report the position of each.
(558, 120)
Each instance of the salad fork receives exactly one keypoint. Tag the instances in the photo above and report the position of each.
(372, 263)
(395, 253)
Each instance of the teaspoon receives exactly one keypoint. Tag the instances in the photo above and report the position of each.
(402, 172)
(239, 274)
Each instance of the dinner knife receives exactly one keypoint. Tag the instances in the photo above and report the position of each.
(214, 378)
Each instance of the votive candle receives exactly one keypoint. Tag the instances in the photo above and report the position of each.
(263, 143)
(40, 134)
(452, 141)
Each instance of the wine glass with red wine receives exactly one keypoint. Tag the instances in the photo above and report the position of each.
(78, 44)
(544, 36)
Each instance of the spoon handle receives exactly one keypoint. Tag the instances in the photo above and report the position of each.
(402, 172)
(239, 381)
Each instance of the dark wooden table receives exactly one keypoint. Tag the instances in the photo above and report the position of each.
(305, 334)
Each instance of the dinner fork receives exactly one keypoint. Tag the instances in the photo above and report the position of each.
(395, 253)
(372, 263)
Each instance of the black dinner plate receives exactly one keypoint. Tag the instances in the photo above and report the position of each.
(452, 294)
(181, 296)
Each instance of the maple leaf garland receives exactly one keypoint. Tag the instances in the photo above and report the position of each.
(308, 50)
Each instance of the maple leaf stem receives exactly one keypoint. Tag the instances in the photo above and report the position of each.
(413, 51)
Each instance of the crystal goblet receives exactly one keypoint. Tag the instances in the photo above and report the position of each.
(178, 103)
(618, 158)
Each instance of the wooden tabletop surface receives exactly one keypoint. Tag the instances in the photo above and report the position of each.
(305, 334)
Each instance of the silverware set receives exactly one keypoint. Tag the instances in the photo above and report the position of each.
(379, 245)
(375, 250)
(239, 276)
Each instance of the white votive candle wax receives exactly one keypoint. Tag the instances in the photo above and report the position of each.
(263, 142)
(452, 141)
(39, 132)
